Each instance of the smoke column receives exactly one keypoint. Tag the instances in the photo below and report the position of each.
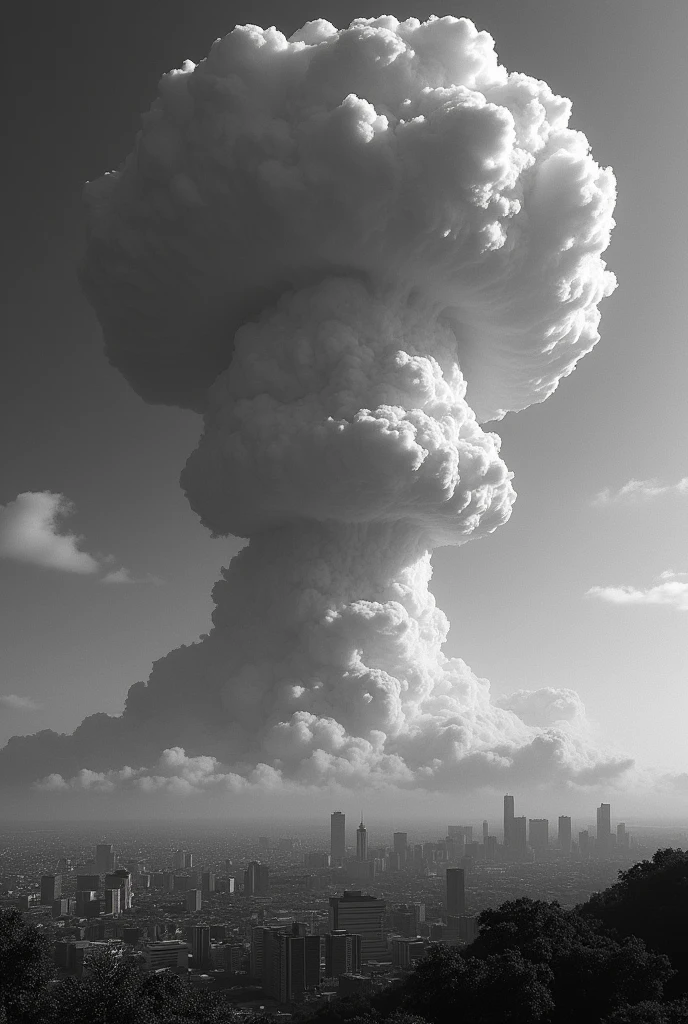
(347, 250)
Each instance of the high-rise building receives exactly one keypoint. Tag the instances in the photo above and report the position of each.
(194, 900)
(519, 845)
(86, 903)
(538, 835)
(508, 821)
(621, 836)
(316, 860)
(486, 831)
(400, 846)
(456, 892)
(178, 860)
(406, 951)
(113, 901)
(51, 889)
(362, 915)
(200, 945)
(337, 837)
(564, 835)
(604, 829)
(188, 860)
(490, 845)
(458, 832)
(256, 879)
(342, 953)
(208, 881)
(361, 842)
(584, 843)
(105, 858)
(120, 879)
(88, 883)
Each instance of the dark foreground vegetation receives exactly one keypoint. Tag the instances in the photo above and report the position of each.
(620, 958)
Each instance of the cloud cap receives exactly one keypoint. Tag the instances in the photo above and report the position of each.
(395, 151)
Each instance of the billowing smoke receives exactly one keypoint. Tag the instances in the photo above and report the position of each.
(347, 249)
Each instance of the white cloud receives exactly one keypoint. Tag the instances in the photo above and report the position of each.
(29, 532)
(118, 576)
(13, 702)
(640, 490)
(672, 592)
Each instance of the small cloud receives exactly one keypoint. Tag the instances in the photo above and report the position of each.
(124, 576)
(118, 576)
(672, 593)
(640, 490)
(29, 532)
(13, 702)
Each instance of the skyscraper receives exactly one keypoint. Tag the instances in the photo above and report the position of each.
(51, 889)
(564, 835)
(337, 837)
(178, 859)
(508, 821)
(105, 858)
(256, 879)
(518, 845)
(200, 945)
(456, 892)
(400, 842)
(361, 842)
(120, 879)
(486, 831)
(342, 953)
(584, 843)
(361, 915)
(194, 900)
(538, 835)
(604, 829)
(208, 881)
(113, 901)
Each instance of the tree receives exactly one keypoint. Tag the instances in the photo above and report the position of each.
(25, 968)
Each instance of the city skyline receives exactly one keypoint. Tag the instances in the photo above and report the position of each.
(408, 254)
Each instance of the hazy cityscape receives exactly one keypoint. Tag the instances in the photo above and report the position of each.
(281, 915)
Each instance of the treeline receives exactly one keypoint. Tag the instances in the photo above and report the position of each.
(620, 958)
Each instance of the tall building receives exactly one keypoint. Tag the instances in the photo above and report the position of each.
(194, 900)
(178, 859)
(362, 915)
(88, 883)
(538, 835)
(337, 836)
(113, 901)
(208, 881)
(604, 829)
(86, 903)
(400, 846)
(120, 879)
(200, 945)
(342, 953)
(519, 845)
(508, 821)
(51, 889)
(459, 832)
(621, 836)
(456, 892)
(406, 951)
(188, 860)
(256, 879)
(486, 831)
(361, 842)
(105, 858)
(564, 835)
(584, 843)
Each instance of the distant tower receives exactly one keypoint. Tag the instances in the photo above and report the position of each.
(105, 858)
(256, 879)
(604, 828)
(361, 842)
(508, 820)
(564, 834)
(538, 834)
(456, 892)
(337, 836)
(486, 831)
(401, 846)
(51, 889)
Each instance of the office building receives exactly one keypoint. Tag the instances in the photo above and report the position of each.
(105, 858)
(538, 835)
(458, 832)
(194, 900)
(361, 842)
(455, 892)
(564, 834)
(188, 860)
(362, 915)
(584, 843)
(256, 879)
(208, 881)
(51, 889)
(604, 830)
(86, 903)
(337, 837)
(464, 928)
(170, 955)
(490, 851)
(200, 945)
(178, 860)
(88, 883)
(400, 847)
(113, 901)
(342, 953)
(622, 836)
(508, 821)
(120, 879)
(256, 953)
(291, 964)
(405, 952)
(519, 844)
(316, 861)
(486, 831)
(63, 908)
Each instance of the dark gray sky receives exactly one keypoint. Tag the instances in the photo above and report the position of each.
(76, 80)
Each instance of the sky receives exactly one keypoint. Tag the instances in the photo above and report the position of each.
(585, 588)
